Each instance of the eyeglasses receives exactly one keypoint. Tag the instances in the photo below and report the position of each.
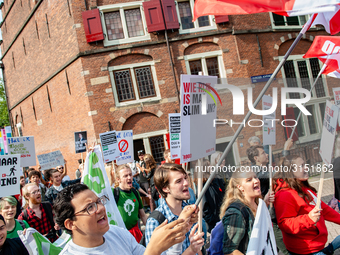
(60, 168)
(93, 207)
(36, 192)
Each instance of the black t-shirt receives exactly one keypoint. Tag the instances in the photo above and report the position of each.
(13, 246)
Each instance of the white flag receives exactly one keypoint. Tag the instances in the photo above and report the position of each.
(95, 177)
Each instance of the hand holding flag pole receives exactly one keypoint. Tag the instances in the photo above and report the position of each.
(258, 99)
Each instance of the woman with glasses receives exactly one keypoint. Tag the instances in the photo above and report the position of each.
(8, 209)
(301, 222)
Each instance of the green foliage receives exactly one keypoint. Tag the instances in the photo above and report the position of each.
(4, 120)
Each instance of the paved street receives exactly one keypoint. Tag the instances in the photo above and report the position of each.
(327, 194)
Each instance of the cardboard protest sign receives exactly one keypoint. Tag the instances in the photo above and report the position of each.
(175, 133)
(269, 126)
(109, 145)
(10, 175)
(24, 146)
(80, 139)
(336, 93)
(328, 132)
(50, 160)
(8, 131)
(198, 112)
(125, 147)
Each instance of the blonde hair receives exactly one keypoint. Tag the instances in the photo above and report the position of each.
(215, 157)
(117, 174)
(233, 193)
(25, 191)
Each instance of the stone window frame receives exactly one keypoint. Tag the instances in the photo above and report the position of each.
(131, 67)
(285, 19)
(315, 101)
(121, 7)
(196, 27)
(146, 136)
(203, 56)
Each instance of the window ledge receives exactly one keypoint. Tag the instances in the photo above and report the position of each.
(154, 100)
(108, 43)
(196, 30)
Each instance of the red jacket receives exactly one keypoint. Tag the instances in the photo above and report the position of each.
(299, 232)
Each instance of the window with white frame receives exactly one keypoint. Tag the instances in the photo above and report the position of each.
(209, 63)
(299, 72)
(123, 23)
(279, 21)
(134, 82)
(184, 12)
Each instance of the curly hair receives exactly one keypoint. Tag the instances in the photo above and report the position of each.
(289, 178)
(62, 206)
(150, 162)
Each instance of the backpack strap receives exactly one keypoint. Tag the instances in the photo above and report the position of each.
(22, 224)
(25, 215)
(116, 194)
(48, 210)
(157, 215)
(136, 192)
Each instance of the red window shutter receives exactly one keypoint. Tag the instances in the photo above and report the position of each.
(153, 16)
(93, 25)
(221, 18)
(289, 117)
(170, 14)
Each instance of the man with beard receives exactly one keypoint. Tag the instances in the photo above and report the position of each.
(171, 181)
(38, 215)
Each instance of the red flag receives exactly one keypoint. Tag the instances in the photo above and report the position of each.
(283, 7)
(330, 20)
(326, 49)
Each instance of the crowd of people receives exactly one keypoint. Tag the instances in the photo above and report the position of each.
(51, 203)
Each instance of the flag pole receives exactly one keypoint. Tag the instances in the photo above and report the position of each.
(258, 99)
(270, 172)
(322, 177)
(316, 79)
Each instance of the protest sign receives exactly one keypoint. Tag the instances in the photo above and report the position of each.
(198, 112)
(269, 127)
(125, 147)
(3, 132)
(10, 175)
(95, 177)
(109, 145)
(175, 133)
(8, 131)
(328, 132)
(80, 139)
(336, 93)
(49, 160)
(24, 146)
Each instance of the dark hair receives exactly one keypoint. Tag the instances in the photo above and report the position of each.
(80, 161)
(34, 172)
(62, 206)
(289, 178)
(161, 176)
(252, 152)
(2, 218)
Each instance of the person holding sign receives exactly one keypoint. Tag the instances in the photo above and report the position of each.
(301, 222)
(239, 209)
(82, 214)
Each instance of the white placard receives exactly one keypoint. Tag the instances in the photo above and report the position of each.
(109, 145)
(50, 160)
(125, 147)
(336, 93)
(198, 112)
(269, 127)
(328, 132)
(24, 146)
(10, 175)
(175, 135)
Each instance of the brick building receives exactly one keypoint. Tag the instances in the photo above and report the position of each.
(106, 72)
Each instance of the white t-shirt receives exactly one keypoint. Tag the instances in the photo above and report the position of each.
(66, 178)
(116, 241)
